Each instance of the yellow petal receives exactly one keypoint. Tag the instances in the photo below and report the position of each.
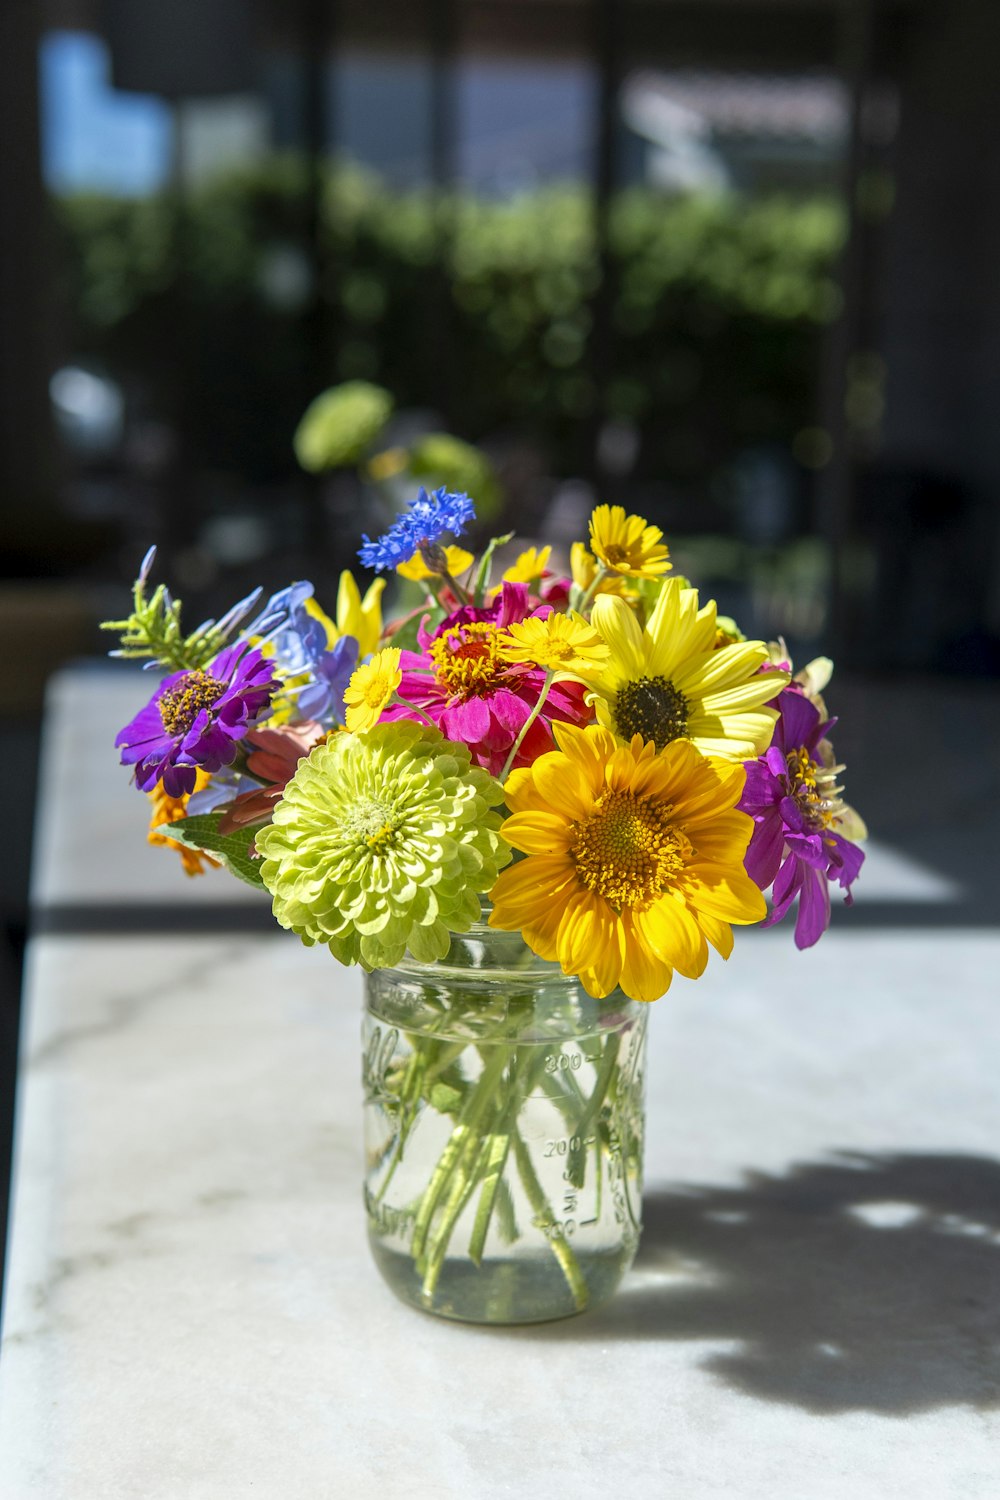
(609, 951)
(724, 840)
(618, 626)
(722, 891)
(561, 781)
(537, 832)
(577, 938)
(728, 667)
(741, 736)
(719, 934)
(672, 934)
(644, 976)
(528, 887)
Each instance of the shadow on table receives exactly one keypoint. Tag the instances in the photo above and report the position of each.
(864, 1283)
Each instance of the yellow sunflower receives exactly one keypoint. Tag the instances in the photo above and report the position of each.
(627, 544)
(370, 689)
(670, 681)
(634, 860)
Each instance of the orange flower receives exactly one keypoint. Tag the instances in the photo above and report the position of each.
(167, 809)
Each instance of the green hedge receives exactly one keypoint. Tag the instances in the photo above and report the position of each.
(718, 307)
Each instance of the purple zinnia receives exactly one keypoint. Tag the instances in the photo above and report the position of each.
(792, 796)
(195, 719)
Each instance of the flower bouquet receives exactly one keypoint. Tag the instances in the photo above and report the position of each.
(520, 808)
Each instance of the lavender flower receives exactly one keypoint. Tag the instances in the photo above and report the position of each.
(298, 638)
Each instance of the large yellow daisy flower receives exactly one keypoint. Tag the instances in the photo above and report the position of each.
(670, 681)
(634, 860)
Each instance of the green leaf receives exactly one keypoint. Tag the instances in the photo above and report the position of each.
(231, 849)
(445, 1099)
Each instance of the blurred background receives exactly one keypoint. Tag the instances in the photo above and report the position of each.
(730, 263)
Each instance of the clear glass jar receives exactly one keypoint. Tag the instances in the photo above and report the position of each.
(503, 1133)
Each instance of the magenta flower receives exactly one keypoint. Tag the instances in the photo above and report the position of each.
(460, 682)
(792, 796)
(195, 719)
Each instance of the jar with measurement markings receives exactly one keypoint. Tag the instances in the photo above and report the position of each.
(503, 1133)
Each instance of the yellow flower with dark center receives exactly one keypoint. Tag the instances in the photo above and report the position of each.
(628, 544)
(671, 681)
(167, 809)
(559, 643)
(634, 860)
(370, 689)
(456, 558)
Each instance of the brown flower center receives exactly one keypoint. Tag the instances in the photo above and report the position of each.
(181, 704)
(629, 850)
(652, 707)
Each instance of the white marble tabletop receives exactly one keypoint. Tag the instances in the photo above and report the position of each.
(191, 1313)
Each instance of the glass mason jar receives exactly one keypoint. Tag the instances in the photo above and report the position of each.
(503, 1133)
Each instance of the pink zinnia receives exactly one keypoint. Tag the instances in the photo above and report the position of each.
(460, 682)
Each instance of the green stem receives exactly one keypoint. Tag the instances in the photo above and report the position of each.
(496, 1160)
(462, 1189)
(602, 1083)
(420, 1071)
(527, 724)
(413, 709)
(460, 593)
(595, 583)
(545, 1219)
(463, 1136)
(476, 1165)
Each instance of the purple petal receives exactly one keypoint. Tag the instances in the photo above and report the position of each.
(799, 722)
(761, 791)
(814, 910)
(786, 887)
(763, 857)
(513, 603)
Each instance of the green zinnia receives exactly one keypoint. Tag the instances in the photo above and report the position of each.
(381, 842)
